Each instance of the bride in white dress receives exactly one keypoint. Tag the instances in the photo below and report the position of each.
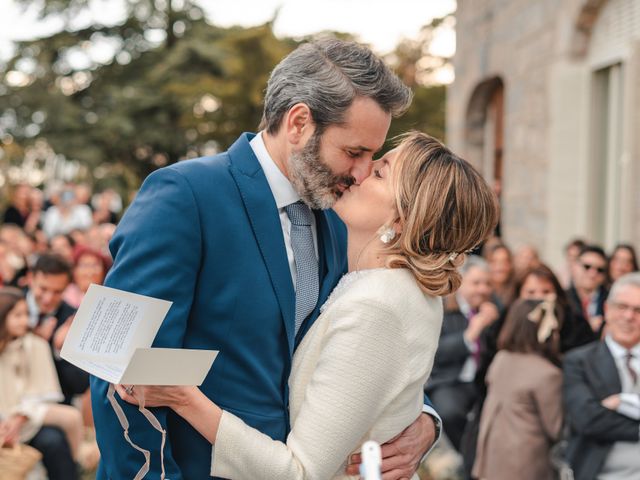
(359, 372)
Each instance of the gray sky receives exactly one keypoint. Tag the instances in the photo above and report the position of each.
(378, 22)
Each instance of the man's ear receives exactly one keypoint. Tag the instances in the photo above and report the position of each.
(298, 124)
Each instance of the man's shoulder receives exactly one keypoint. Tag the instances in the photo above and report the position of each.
(583, 352)
(204, 176)
(196, 167)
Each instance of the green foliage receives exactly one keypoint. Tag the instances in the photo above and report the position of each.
(426, 114)
(175, 87)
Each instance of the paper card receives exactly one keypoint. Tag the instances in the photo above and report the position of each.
(168, 366)
(111, 336)
(110, 324)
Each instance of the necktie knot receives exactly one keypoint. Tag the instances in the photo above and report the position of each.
(299, 214)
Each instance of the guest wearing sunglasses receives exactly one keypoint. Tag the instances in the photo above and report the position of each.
(587, 294)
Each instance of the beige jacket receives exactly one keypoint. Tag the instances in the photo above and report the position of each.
(28, 382)
(357, 375)
(521, 418)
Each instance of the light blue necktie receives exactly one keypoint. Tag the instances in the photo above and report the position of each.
(307, 282)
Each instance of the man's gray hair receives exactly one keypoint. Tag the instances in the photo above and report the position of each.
(628, 279)
(327, 75)
(474, 261)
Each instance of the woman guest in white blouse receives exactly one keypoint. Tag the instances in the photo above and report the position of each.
(359, 372)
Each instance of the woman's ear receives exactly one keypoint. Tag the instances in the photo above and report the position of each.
(298, 124)
(397, 225)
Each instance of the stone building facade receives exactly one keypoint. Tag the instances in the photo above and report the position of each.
(546, 101)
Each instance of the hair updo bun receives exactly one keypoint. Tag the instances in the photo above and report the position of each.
(445, 209)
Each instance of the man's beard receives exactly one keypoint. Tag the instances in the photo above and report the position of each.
(312, 178)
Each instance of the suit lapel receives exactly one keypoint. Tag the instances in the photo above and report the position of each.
(606, 369)
(330, 259)
(265, 222)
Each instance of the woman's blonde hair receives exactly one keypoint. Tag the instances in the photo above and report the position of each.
(445, 208)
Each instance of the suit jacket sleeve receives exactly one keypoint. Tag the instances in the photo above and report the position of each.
(156, 250)
(585, 413)
(341, 404)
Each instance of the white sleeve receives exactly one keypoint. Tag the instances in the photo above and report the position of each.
(358, 373)
(629, 405)
(429, 410)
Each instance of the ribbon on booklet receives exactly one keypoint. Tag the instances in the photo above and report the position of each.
(151, 418)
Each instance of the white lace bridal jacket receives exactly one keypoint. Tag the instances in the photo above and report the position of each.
(357, 375)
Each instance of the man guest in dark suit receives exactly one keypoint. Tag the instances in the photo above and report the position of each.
(466, 315)
(587, 293)
(602, 392)
(50, 277)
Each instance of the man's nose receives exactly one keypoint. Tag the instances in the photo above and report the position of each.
(361, 169)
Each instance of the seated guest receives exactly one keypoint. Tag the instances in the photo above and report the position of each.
(29, 390)
(502, 274)
(602, 392)
(466, 316)
(17, 249)
(63, 245)
(623, 260)
(522, 414)
(11, 264)
(67, 215)
(540, 282)
(526, 257)
(90, 266)
(588, 293)
(18, 211)
(571, 254)
(50, 277)
(103, 212)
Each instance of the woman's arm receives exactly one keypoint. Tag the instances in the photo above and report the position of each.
(188, 402)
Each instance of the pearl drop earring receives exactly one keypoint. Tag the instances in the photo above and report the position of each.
(386, 234)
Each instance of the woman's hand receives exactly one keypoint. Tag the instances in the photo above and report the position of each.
(154, 396)
(10, 430)
(188, 402)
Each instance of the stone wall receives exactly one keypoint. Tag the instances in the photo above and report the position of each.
(537, 48)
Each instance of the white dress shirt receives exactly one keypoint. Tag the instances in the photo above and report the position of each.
(469, 369)
(284, 194)
(622, 462)
(630, 395)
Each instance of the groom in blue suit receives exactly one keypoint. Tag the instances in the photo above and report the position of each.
(212, 235)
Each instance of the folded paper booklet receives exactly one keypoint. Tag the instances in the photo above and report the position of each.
(111, 337)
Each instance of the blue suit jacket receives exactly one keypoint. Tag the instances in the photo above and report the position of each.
(206, 235)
